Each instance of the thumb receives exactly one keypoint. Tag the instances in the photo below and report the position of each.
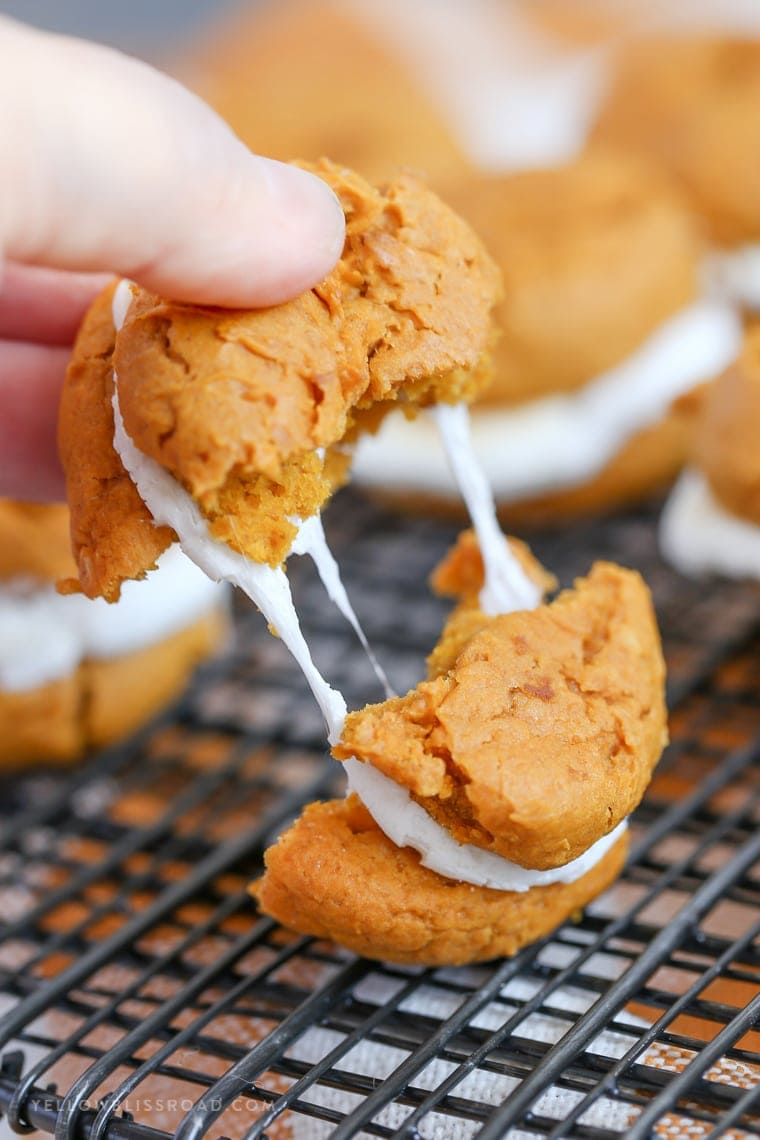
(110, 165)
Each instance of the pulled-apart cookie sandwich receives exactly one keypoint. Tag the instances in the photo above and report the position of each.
(489, 803)
(230, 431)
(77, 674)
(606, 340)
(711, 522)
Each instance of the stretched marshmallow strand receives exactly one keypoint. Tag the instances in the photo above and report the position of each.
(507, 587)
(311, 540)
(267, 588)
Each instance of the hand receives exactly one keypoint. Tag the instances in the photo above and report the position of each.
(111, 167)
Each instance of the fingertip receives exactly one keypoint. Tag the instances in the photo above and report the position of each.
(274, 231)
(315, 212)
(144, 180)
(293, 236)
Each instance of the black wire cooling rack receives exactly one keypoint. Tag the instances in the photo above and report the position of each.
(141, 996)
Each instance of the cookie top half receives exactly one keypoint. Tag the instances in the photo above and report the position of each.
(538, 730)
(250, 411)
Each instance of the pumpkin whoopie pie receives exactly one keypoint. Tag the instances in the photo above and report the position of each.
(711, 522)
(77, 674)
(607, 339)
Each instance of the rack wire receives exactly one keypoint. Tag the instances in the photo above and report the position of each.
(142, 996)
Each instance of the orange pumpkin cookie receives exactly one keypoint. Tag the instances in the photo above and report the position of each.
(250, 412)
(334, 874)
(692, 104)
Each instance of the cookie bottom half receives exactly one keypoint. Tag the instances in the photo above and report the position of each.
(334, 874)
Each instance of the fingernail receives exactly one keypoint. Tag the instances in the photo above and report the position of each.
(309, 205)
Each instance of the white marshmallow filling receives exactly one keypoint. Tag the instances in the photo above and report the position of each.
(45, 636)
(561, 441)
(267, 587)
(407, 824)
(700, 537)
(506, 588)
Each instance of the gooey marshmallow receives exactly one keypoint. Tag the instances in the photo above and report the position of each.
(267, 587)
(506, 588)
(562, 441)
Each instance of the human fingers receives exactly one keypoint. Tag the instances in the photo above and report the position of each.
(31, 376)
(110, 165)
(45, 306)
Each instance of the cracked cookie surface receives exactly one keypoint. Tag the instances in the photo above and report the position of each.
(249, 410)
(538, 730)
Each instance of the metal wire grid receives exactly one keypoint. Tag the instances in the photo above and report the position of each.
(142, 996)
